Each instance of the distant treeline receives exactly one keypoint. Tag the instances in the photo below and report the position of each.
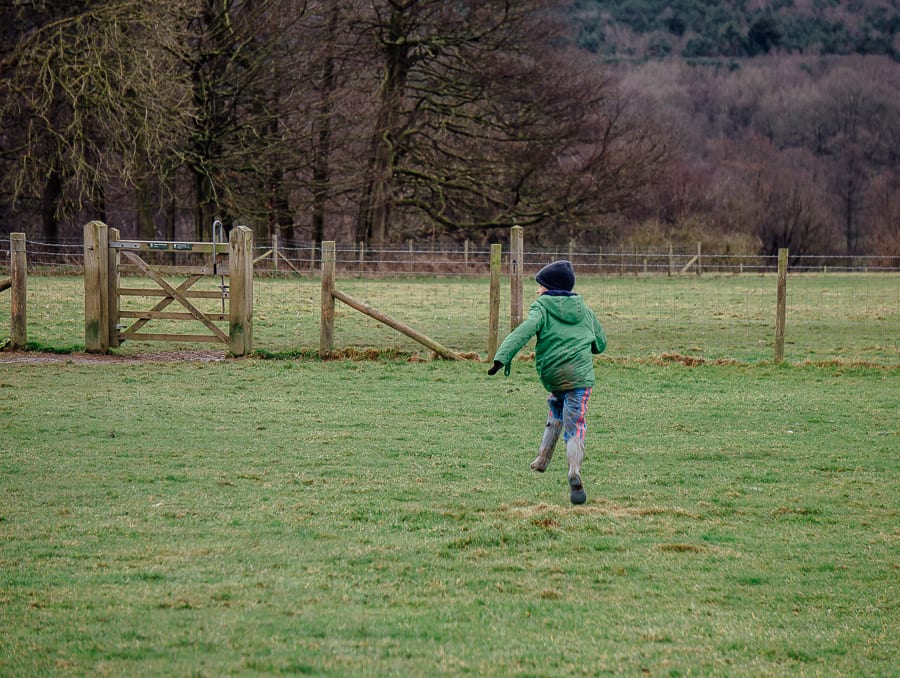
(782, 151)
(701, 29)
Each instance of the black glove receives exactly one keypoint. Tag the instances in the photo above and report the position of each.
(495, 368)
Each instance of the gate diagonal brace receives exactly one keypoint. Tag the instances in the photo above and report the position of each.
(183, 287)
(175, 294)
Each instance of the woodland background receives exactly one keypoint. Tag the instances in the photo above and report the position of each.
(744, 125)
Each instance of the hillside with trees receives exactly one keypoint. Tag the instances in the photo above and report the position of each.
(786, 116)
(779, 152)
(697, 29)
(375, 121)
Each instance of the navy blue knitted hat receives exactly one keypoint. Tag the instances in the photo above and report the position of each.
(557, 276)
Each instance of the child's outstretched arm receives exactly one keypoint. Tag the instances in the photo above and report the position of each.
(517, 339)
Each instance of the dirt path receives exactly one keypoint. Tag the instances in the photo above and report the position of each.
(38, 358)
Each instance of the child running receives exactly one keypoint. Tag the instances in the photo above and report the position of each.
(568, 336)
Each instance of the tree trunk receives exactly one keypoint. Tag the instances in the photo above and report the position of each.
(851, 193)
(145, 226)
(171, 216)
(205, 210)
(375, 205)
(49, 203)
(322, 152)
(281, 220)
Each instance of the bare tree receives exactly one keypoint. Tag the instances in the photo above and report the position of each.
(481, 121)
(774, 197)
(321, 173)
(236, 152)
(884, 217)
(91, 95)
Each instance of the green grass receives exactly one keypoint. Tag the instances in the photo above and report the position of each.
(379, 518)
(834, 317)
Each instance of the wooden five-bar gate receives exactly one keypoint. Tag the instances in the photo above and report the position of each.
(107, 256)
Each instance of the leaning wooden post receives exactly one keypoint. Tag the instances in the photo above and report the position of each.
(96, 287)
(442, 351)
(240, 291)
(780, 304)
(18, 277)
(326, 328)
(494, 314)
(516, 263)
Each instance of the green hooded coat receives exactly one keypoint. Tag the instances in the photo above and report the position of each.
(568, 336)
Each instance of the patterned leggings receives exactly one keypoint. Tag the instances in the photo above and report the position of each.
(570, 407)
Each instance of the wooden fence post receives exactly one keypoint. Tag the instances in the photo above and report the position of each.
(275, 254)
(699, 259)
(112, 294)
(780, 304)
(18, 335)
(516, 264)
(494, 314)
(326, 327)
(96, 287)
(240, 293)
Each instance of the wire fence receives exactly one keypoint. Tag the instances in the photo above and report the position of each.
(411, 258)
(429, 259)
(686, 305)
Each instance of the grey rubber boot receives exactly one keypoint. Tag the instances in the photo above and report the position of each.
(575, 455)
(548, 444)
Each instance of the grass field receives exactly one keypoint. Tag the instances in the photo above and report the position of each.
(266, 517)
(259, 517)
(834, 317)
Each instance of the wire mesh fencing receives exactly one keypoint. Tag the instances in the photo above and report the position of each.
(663, 303)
